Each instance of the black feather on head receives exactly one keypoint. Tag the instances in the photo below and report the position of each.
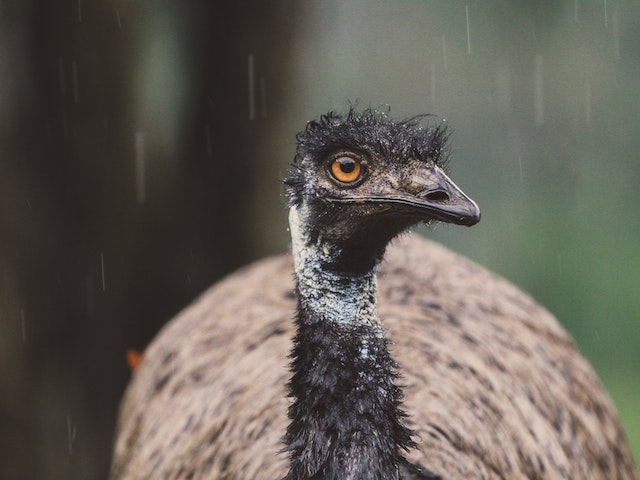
(372, 132)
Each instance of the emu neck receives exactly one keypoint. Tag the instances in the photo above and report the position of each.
(345, 417)
(341, 298)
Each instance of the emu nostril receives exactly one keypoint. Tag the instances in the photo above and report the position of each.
(437, 196)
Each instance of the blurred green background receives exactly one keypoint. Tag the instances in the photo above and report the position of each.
(142, 142)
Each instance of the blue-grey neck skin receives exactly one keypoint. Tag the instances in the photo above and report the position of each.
(345, 300)
(346, 421)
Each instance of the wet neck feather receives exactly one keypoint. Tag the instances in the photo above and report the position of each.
(345, 417)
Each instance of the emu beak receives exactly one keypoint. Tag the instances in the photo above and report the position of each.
(428, 194)
(441, 199)
(431, 195)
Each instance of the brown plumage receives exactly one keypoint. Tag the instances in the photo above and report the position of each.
(501, 386)
(493, 386)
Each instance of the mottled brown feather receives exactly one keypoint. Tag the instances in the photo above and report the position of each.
(494, 386)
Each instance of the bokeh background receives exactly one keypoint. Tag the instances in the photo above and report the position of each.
(142, 143)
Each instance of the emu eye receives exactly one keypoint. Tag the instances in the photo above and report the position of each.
(346, 169)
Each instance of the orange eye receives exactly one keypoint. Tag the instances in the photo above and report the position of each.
(346, 169)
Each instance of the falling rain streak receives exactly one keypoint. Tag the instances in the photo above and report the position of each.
(444, 51)
(140, 168)
(433, 82)
(71, 434)
(468, 31)
(520, 164)
(587, 102)
(24, 327)
(74, 70)
(61, 74)
(538, 94)
(118, 19)
(104, 284)
(252, 90)
(615, 31)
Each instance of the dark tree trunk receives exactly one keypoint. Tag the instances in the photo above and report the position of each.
(108, 227)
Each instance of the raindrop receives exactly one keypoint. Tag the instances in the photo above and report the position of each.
(520, 164)
(575, 11)
(209, 145)
(252, 107)
(468, 31)
(118, 19)
(74, 67)
(104, 284)
(433, 83)
(24, 327)
(444, 51)
(606, 18)
(79, 11)
(61, 74)
(587, 102)
(140, 168)
(538, 95)
(616, 35)
(71, 434)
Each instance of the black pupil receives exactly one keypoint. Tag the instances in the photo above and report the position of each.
(347, 165)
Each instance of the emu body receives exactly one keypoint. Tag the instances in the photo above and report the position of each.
(494, 387)
(423, 366)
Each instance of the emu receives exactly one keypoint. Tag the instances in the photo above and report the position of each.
(442, 370)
